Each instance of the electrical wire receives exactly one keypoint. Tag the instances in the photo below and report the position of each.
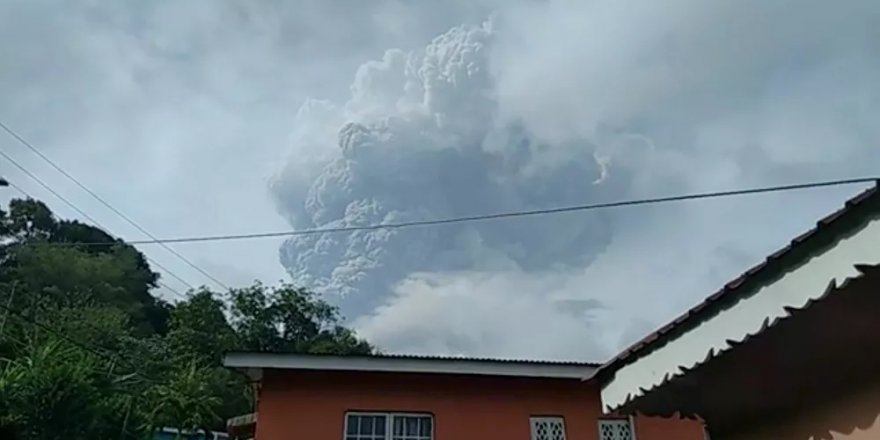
(502, 215)
(88, 217)
(107, 204)
(161, 284)
(98, 351)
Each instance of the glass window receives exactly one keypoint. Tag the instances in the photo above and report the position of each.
(388, 426)
(412, 427)
(365, 426)
(548, 428)
(615, 429)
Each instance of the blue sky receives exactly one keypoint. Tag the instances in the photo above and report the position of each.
(213, 117)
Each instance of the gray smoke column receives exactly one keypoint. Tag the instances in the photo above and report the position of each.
(561, 102)
(418, 140)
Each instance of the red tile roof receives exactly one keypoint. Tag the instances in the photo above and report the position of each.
(826, 232)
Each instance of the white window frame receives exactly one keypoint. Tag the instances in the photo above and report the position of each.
(534, 420)
(389, 423)
(629, 420)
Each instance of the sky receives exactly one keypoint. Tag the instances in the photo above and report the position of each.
(218, 117)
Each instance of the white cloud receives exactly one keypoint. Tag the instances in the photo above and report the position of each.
(790, 81)
(486, 314)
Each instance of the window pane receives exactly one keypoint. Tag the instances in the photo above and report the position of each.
(366, 425)
(425, 427)
(412, 426)
(398, 426)
(352, 427)
(379, 426)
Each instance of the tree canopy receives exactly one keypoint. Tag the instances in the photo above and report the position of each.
(87, 350)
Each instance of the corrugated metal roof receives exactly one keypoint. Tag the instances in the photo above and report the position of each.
(826, 231)
(255, 363)
(485, 359)
(449, 358)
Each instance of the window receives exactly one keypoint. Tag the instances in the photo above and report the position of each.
(615, 429)
(548, 428)
(388, 426)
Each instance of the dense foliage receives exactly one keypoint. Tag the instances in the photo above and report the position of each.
(87, 351)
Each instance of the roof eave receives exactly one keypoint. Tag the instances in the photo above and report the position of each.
(253, 363)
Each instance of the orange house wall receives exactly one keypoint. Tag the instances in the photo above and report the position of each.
(309, 405)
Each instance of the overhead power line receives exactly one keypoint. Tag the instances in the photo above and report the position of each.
(159, 282)
(107, 204)
(502, 215)
(86, 216)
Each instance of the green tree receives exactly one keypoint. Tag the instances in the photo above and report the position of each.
(287, 318)
(283, 318)
(57, 390)
(198, 336)
(115, 273)
(186, 400)
(107, 359)
(198, 329)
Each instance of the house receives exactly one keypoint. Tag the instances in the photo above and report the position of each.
(323, 397)
(789, 350)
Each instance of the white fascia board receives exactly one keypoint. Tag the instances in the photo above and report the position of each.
(793, 289)
(253, 363)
